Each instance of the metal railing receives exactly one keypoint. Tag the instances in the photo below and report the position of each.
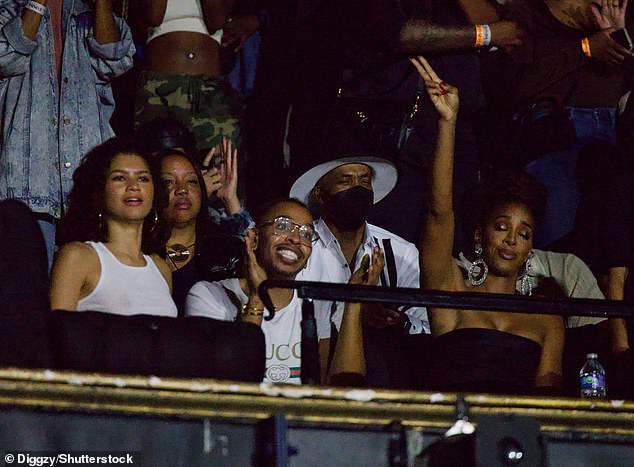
(456, 300)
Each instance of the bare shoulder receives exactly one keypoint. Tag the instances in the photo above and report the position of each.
(77, 252)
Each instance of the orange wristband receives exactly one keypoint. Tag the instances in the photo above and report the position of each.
(585, 46)
(479, 36)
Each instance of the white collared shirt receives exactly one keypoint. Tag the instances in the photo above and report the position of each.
(328, 264)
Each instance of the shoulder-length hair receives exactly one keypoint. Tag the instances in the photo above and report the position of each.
(83, 222)
(204, 224)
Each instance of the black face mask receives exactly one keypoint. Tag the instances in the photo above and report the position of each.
(348, 209)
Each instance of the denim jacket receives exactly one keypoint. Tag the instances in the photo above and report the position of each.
(46, 126)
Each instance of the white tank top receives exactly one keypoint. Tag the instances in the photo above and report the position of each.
(128, 290)
(183, 15)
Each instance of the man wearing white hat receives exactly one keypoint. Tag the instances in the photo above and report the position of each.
(341, 193)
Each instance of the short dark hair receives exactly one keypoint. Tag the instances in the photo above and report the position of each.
(165, 133)
(262, 212)
(86, 199)
(499, 188)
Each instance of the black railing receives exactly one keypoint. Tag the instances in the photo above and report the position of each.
(456, 300)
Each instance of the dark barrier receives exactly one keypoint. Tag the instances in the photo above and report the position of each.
(440, 299)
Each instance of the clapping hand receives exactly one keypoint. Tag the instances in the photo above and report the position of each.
(369, 272)
(374, 315)
(255, 275)
(444, 96)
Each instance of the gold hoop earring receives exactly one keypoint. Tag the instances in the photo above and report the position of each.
(155, 220)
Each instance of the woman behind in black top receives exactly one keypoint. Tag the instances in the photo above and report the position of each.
(194, 233)
(200, 238)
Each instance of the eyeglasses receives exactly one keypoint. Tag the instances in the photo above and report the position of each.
(283, 226)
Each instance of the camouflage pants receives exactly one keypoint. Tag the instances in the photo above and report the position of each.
(208, 105)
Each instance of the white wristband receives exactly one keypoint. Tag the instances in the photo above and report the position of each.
(36, 7)
(486, 35)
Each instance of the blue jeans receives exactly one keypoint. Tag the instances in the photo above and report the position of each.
(48, 231)
(556, 171)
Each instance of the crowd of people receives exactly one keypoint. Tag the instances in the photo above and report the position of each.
(465, 146)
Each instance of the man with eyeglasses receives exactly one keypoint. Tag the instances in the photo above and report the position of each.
(279, 248)
(341, 193)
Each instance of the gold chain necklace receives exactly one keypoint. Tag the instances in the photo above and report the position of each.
(178, 253)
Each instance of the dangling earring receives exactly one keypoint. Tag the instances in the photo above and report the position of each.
(526, 287)
(100, 217)
(477, 278)
(155, 220)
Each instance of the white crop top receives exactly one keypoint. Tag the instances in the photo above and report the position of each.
(183, 15)
(128, 290)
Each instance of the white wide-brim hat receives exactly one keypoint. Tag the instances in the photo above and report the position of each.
(384, 176)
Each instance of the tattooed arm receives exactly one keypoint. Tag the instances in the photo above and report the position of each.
(420, 36)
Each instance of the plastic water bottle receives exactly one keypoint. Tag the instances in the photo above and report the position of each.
(592, 377)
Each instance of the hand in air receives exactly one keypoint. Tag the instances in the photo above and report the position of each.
(223, 180)
(444, 96)
(609, 14)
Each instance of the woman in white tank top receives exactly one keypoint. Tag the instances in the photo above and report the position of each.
(110, 236)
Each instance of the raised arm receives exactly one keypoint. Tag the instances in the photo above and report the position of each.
(420, 36)
(221, 177)
(437, 265)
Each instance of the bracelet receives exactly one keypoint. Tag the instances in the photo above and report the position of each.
(585, 46)
(36, 7)
(486, 35)
(479, 36)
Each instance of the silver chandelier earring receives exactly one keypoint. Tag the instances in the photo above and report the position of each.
(526, 287)
(478, 270)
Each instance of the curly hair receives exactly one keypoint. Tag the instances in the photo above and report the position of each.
(513, 187)
(500, 187)
(82, 222)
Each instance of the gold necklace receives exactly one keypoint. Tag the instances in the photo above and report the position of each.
(178, 253)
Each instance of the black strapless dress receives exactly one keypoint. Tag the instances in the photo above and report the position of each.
(484, 360)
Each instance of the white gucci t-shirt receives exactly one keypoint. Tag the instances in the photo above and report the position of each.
(282, 334)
